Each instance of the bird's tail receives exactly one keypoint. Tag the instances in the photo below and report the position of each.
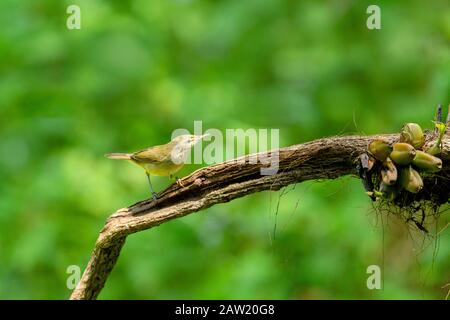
(125, 156)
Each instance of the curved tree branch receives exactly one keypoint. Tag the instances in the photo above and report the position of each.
(326, 158)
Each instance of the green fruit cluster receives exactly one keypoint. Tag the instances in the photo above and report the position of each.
(399, 165)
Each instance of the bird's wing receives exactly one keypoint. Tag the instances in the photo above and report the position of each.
(153, 154)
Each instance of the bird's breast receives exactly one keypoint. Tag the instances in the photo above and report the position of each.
(165, 168)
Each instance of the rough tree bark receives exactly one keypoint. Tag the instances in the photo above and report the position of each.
(326, 158)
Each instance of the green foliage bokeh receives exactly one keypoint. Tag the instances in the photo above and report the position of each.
(139, 69)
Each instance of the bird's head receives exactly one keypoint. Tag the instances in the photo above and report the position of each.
(188, 140)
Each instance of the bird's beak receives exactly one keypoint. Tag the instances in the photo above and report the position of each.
(198, 138)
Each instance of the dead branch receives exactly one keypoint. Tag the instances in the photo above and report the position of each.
(326, 158)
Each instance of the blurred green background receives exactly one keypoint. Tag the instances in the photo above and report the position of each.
(139, 69)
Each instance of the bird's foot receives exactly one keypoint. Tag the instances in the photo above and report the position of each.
(154, 195)
(180, 183)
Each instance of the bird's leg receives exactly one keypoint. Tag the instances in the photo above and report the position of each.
(154, 194)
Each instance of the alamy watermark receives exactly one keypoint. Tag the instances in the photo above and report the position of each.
(232, 145)
(74, 277)
(374, 280)
(374, 20)
(73, 21)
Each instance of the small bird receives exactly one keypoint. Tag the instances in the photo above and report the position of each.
(162, 160)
